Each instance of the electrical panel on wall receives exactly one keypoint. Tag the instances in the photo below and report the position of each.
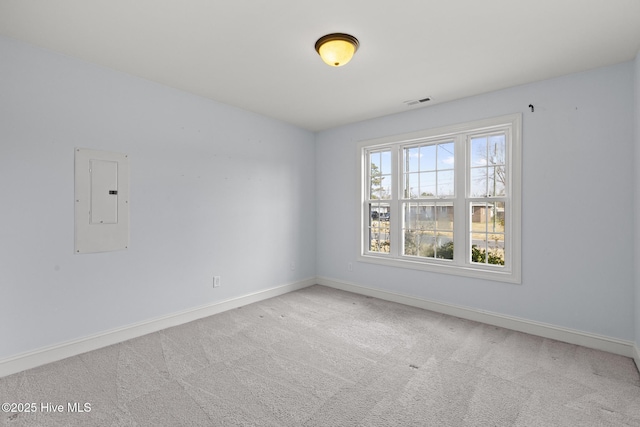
(101, 201)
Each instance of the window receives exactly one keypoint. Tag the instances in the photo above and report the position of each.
(445, 200)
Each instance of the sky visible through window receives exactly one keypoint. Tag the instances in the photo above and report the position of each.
(429, 170)
(488, 166)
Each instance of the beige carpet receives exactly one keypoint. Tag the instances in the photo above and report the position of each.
(323, 357)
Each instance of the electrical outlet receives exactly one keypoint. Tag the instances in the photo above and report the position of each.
(293, 265)
(216, 281)
(350, 266)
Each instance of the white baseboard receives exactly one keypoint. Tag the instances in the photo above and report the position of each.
(61, 351)
(611, 345)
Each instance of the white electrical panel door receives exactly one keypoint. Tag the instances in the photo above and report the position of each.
(104, 192)
(102, 201)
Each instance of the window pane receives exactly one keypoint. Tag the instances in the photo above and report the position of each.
(497, 242)
(445, 156)
(379, 233)
(419, 217)
(374, 192)
(445, 183)
(428, 184)
(414, 228)
(385, 160)
(428, 230)
(498, 180)
(478, 249)
(419, 243)
(380, 175)
(411, 185)
(428, 217)
(478, 182)
(488, 168)
(428, 158)
(488, 217)
(444, 246)
(479, 151)
(426, 244)
(496, 223)
(479, 240)
(411, 159)
(374, 175)
(374, 160)
(435, 164)
(385, 187)
(484, 252)
(444, 217)
(487, 233)
(497, 151)
(410, 246)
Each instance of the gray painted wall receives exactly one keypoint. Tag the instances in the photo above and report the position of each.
(578, 151)
(214, 191)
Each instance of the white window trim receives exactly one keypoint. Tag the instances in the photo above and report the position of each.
(511, 273)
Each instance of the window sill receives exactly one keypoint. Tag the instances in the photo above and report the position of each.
(489, 273)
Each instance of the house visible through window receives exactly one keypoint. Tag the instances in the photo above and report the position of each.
(445, 200)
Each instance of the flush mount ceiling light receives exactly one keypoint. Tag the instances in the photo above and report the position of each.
(337, 49)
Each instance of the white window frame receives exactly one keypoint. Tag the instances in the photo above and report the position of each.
(461, 264)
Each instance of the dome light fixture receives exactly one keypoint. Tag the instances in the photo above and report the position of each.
(337, 49)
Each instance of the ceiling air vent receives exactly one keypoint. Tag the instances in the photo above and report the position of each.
(417, 101)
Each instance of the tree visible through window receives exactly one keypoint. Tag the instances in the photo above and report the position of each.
(379, 190)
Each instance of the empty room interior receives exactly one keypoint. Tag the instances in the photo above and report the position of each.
(440, 229)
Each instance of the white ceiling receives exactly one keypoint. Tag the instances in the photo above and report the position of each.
(259, 54)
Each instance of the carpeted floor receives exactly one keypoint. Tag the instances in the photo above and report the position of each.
(323, 357)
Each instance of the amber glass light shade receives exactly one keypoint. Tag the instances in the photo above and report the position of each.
(337, 49)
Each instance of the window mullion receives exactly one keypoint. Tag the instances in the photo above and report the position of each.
(460, 215)
(366, 191)
(395, 204)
